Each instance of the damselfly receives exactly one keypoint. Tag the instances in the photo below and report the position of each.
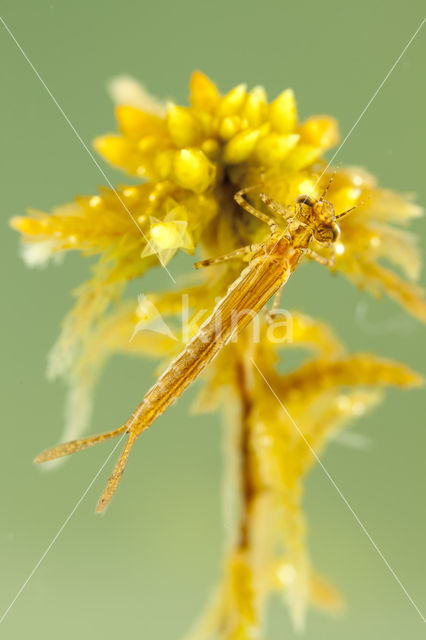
(271, 264)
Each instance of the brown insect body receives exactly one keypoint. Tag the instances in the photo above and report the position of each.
(246, 296)
(272, 263)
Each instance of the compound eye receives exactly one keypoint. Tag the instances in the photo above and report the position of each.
(304, 199)
(328, 234)
(336, 233)
(324, 234)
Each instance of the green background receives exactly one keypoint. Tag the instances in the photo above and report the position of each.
(146, 567)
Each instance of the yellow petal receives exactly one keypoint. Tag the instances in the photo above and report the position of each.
(229, 127)
(183, 128)
(193, 170)
(320, 131)
(302, 156)
(282, 112)
(210, 147)
(116, 150)
(233, 102)
(324, 595)
(255, 108)
(163, 164)
(239, 148)
(273, 148)
(204, 94)
(27, 226)
(168, 235)
(135, 123)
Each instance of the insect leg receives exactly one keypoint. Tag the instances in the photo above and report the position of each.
(270, 315)
(277, 207)
(240, 199)
(327, 262)
(238, 253)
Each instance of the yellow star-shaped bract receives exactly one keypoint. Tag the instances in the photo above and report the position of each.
(168, 235)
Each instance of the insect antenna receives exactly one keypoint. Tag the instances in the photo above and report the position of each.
(333, 175)
(356, 206)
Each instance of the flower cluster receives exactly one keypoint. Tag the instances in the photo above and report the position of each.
(188, 162)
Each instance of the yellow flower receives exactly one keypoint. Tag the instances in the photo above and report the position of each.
(195, 158)
(193, 146)
(168, 235)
